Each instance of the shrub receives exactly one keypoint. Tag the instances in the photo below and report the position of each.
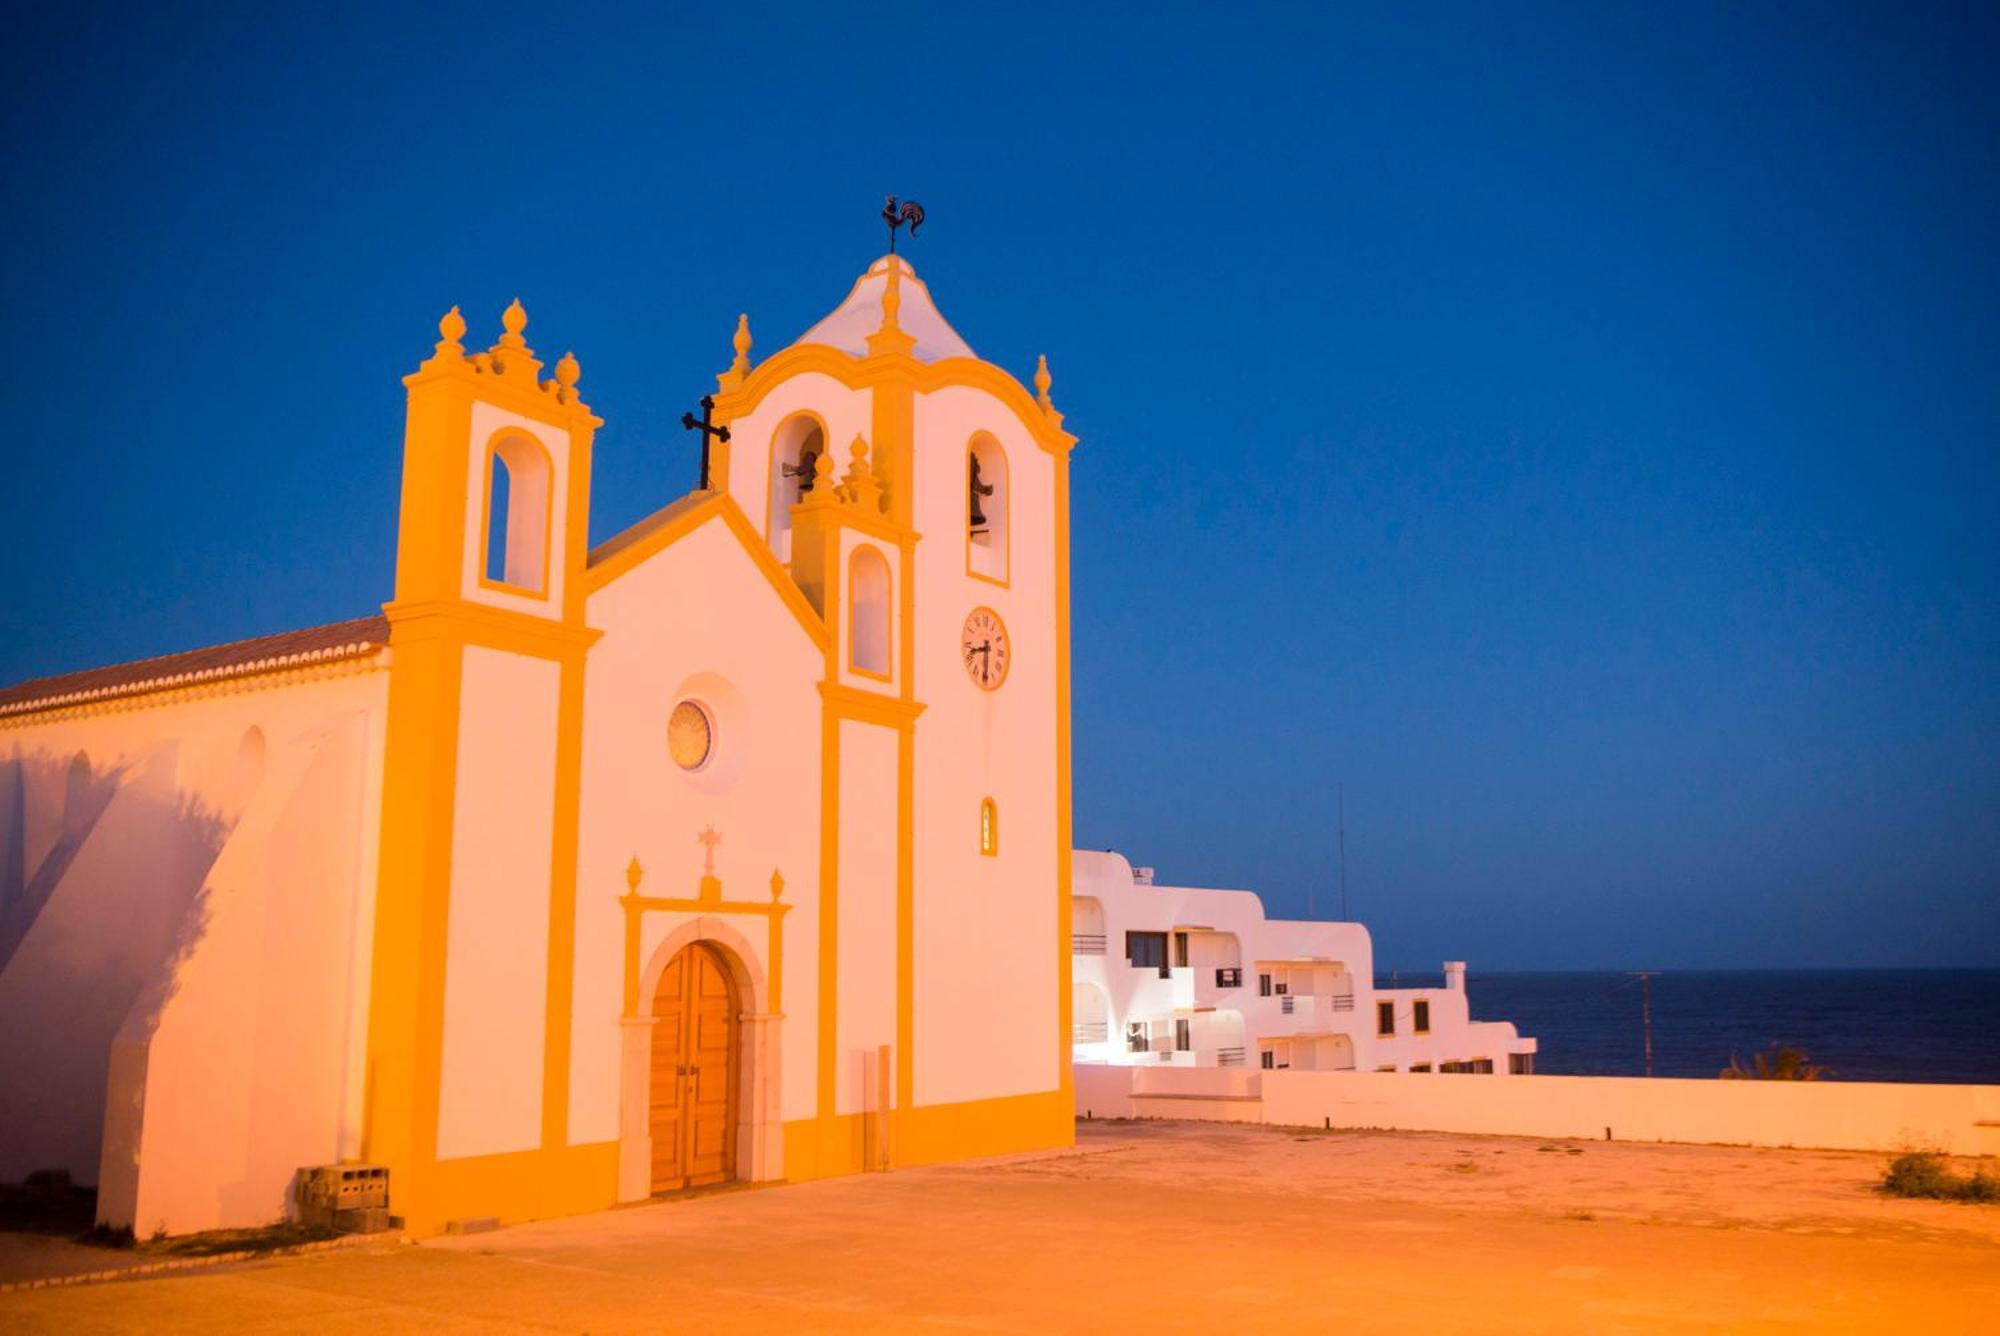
(1928, 1174)
(1780, 1062)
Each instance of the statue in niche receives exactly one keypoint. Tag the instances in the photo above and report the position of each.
(979, 489)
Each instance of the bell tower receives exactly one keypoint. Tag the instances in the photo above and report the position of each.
(919, 497)
(476, 884)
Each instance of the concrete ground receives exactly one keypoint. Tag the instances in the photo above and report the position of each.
(1165, 1227)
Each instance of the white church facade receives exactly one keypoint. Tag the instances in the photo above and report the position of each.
(734, 847)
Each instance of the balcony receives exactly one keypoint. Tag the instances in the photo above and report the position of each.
(1089, 1032)
(1086, 943)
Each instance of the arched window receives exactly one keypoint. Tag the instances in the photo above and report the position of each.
(989, 827)
(986, 508)
(868, 612)
(515, 554)
(795, 447)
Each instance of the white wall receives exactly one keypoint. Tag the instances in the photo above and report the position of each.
(144, 933)
(866, 1017)
(497, 933)
(988, 969)
(247, 1070)
(697, 621)
(1830, 1114)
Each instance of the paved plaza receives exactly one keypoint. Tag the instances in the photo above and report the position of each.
(1163, 1227)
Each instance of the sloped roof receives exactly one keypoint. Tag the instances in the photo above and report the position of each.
(850, 324)
(313, 644)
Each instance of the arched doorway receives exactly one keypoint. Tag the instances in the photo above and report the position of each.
(695, 1066)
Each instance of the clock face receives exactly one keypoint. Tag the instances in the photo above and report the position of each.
(985, 647)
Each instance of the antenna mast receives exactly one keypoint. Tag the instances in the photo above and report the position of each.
(1645, 978)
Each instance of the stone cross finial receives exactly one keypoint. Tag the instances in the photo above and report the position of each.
(708, 839)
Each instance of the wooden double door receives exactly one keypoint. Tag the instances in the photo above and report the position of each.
(694, 1071)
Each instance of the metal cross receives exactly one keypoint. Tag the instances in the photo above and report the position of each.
(708, 429)
(708, 839)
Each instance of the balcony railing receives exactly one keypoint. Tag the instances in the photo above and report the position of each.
(1229, 977)
(1340, 1001)
(1089, 1032)
(1229, 1057)
(1288, 1004)
(1086, 943)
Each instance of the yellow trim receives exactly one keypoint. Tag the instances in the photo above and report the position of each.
(624, 559)
(989, 828)
(1064, 829)
(637, 906)
(853, 641)
(1006, 512)
(483, 556)
(563, 852)
(835, 1144)
(868, 707)
(858, 373)
(771, 476)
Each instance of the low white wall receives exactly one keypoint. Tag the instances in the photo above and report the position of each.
(1844, 1115)
(1226, 1094)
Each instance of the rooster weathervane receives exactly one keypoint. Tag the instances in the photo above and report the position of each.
(910, 212)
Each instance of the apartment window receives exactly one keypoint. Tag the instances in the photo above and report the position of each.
(1183, 1036)
(1228, 977)
(1521, 1064)
(1135, 1037)
(1385, 1018)
(1386, 1067)
(1263, 985)
(1420, 1067)
(1148, 950)
(1422, 1013)
(1267, 1059)
(1180, 950)
(1474, 1065)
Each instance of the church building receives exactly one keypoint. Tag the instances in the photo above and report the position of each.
(735, 847)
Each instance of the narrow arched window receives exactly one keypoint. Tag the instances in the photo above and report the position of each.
(986, 508)
(795, 449)
(989, 827)
(515, 554)
(868, 612)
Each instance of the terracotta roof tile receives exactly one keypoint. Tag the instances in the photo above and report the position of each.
(335, 640)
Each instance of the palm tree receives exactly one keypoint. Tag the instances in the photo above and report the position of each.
(1780, 1062)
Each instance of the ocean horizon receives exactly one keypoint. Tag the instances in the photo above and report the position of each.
(1931, 1025)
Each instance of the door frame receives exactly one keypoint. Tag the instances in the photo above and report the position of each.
(695, 960)
(759, 1126)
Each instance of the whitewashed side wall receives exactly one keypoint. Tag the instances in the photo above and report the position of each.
(150, 906)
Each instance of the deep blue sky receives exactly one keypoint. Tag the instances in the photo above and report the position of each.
(1574, 430)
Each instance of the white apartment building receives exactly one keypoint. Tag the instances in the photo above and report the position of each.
(1181, 976)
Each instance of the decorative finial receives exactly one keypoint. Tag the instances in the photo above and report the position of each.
(1042, 381)
(632, 874)
(451, 328)
(742, 342)
(777, 884)
(514, 319)
(892, 300)
(861, 487)
(890, 338)
(857, 462)
(512, 358)
(568, 371)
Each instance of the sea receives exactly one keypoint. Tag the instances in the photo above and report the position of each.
(1861, 1025)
